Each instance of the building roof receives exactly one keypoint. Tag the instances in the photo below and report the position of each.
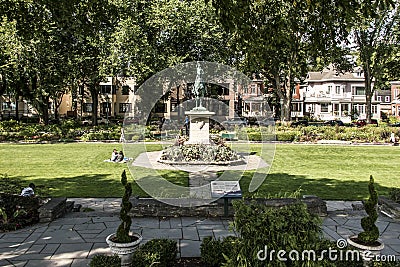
(254, 99)
(331, 75)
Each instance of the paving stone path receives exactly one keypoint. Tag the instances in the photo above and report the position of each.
(75, 238)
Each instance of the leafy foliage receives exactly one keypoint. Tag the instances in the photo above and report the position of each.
(371, 231)
(394, 194)
(105, 261)
(287, 228)
(200, 153)
(17, 211)
(156, 252)
(214, 252)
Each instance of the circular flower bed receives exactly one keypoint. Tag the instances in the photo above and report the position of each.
(199, 153)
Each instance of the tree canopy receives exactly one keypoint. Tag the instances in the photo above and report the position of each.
(52, 47)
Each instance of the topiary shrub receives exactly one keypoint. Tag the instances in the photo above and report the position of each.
(371, 231)
(122, 235)
(156, 252)
(105, 261)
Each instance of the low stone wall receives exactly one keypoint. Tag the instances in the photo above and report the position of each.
(54, 208)
(148, 207)
(390, 207)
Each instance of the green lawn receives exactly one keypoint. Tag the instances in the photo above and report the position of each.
(78, 170)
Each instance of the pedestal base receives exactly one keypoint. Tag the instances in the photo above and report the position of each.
(199, 131)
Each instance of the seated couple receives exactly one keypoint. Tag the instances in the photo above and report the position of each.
(116, 157)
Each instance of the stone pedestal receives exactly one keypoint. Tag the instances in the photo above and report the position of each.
(199, 131)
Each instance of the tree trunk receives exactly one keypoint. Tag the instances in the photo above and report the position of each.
(16, 107)
(287, 100)
(95, 102)
(368, 91)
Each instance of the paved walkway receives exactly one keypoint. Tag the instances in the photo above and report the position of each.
(75, 238)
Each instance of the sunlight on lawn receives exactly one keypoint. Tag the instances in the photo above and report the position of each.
(79, 170)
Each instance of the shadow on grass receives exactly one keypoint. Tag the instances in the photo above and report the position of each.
(176, 182)
(87, 185)
(328, 189)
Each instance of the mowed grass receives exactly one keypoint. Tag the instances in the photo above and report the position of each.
(330, 172)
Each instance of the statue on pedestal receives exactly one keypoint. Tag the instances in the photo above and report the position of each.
(199, 87)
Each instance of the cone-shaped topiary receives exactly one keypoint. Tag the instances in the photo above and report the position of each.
(371, 231)
(122, 235)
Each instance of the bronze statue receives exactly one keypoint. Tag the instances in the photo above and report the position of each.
(199, 87)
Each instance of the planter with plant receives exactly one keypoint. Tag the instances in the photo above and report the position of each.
(123, 242)
(368, 242)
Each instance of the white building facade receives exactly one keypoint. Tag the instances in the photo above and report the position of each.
(328, 95)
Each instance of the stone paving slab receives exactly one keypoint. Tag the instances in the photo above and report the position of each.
(74, 239)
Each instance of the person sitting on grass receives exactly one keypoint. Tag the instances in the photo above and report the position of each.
(120, 157)
(114, 155)
(28, 191)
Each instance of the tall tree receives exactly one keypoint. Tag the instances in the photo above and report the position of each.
(377, 45)
(281, 38)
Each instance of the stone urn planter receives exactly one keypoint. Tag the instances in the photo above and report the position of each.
(367, 252)
(123, 242)
(124, 250)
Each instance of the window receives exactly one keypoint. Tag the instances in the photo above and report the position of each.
(88, 107)
(223, 91)
(105, 89)
(337, 89)
(387, 99)
(296, 107)
(358, 90)
(253, 89)
(106, 108)
(379, 98)
(324, 107)
(160, 107)
(125, 90)
(245, 90)
(125, 107)
(374, 109)
(329, 89)
(8, 106)
(360, 109)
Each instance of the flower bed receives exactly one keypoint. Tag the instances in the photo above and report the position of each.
(199, 153)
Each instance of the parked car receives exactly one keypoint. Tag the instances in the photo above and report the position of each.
(102, 121)
(251, 120)
(266, 122)
(235, 121)
(299, 123)
(363, 122)
(131, 120)
(86, 121)
(334, 123)
(395, 124)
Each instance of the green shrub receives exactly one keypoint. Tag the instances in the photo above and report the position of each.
(287, 136)
(213, 252)
(287, 228)
(160, 252)
(105, 261)
(394, 194)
